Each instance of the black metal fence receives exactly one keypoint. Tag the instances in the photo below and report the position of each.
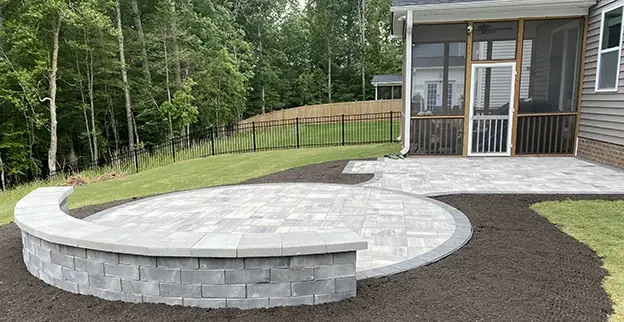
(295, 133)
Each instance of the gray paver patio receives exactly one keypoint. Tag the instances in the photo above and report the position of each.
(437, 176)
(397, 226)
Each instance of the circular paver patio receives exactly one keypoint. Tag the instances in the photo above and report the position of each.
(403, 230)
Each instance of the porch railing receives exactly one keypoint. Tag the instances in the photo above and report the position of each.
(545, 133)
(437, 135)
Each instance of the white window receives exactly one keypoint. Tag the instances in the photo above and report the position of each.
(608, 70)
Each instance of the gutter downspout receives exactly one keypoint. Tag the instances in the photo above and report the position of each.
(407, 91)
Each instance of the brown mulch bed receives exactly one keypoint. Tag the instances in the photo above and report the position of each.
(517, 267)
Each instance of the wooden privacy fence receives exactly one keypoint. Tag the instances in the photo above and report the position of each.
(333, 109)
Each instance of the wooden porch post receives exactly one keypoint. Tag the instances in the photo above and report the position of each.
(580, 85)
(467, 88)
(519, 53)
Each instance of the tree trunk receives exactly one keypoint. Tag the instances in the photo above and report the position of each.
(84, 104)
(329, 67)
(363, 44)
(176, 49)
(124, 78)
(111, 111)
(56, 27)
(92, 105)
(139, 26)
(167, 80)
(2, 183)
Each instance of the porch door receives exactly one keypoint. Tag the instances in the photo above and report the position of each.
(491, 109)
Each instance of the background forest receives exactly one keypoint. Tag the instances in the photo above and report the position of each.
(91, 79)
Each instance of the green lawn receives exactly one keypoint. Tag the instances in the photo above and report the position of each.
(204, 172)
(600, 225)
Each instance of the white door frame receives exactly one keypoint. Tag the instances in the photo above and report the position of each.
(512, 107)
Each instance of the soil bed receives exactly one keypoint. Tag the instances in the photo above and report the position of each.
(517, 267)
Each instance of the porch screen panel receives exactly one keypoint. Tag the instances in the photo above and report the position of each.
(549, 85)
(494, 40)
(438, 69)
(438, 77)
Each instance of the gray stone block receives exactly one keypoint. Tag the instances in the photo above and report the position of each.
(267, 262)
(140, 287)
(247, 276)
(73, 251)
(103, 256)
(334, 271)
(67, 286)
(169, 275)
(335, 297)
(291, 300)
(75, 276)
(136, 260)
(205, 303)
(44, 254)
(343, 258)
(221, 263)
(105, 283)
(177, 262)
(313, 287)
(122, 271)
(163, 300)
(180, 290)
(89, 266)
(33, 270)
(259, 245)
(53, 270)
(247, 303)
(132, 298)
(203, 276)
(47, 278)
(295, 274)
(34, 260)
(105, 294)
(51, 246)
(224, 291)
(268, 290)
(62, 260)
(311, 260)
(345, 284)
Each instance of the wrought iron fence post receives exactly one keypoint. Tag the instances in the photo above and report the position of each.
(136, 159)
(212, 143)
(173, 149)
(391, 121)
(253, 130)
(297, 130)
(343, 130)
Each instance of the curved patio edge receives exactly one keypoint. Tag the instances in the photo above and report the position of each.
(461, 236)
(206, 270)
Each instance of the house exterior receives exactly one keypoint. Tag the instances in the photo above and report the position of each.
(387, 87)
(512, 77)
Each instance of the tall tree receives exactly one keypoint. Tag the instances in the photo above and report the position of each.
(124, 78)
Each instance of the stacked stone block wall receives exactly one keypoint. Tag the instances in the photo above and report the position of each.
(601, 152)
(202, 282)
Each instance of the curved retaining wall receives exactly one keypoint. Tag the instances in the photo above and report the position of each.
(191, 269)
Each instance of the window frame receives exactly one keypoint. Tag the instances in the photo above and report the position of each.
(597, 89)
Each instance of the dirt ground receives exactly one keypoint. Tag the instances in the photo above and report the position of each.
(517, 267)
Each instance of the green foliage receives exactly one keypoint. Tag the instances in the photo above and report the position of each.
(210, 63)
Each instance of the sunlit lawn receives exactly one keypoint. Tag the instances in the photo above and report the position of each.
(600, 225)
(203, 172)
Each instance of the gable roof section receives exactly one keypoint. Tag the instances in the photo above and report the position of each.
(387, 79)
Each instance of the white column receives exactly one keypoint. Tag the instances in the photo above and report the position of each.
(407, 91)
(376, 92)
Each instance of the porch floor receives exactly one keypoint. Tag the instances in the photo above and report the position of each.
(535, 175)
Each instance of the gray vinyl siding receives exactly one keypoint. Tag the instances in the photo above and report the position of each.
(602, 114)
